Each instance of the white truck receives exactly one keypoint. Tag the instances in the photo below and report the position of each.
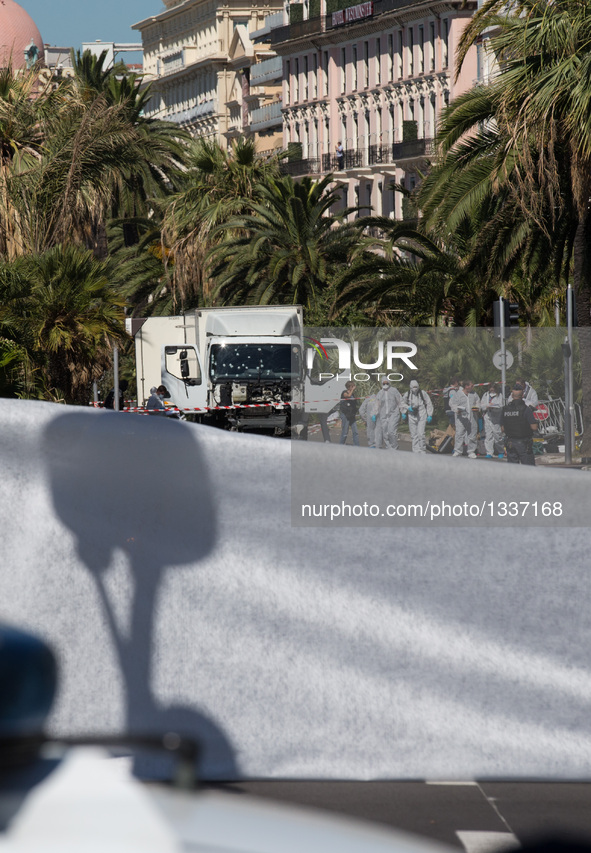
(237, 368)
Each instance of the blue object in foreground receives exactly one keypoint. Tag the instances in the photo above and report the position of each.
(28, 679)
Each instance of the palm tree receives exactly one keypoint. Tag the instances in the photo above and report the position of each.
(24, 109)
(289, 249)
(90, 74)
(217, 186)
(74, 156)
(61, 314)
(542, 100)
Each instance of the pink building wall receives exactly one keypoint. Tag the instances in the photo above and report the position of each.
(361, 82)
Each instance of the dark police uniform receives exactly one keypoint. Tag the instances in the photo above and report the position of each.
(517, 420)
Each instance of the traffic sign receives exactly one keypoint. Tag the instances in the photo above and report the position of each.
(498, 359)
(541, 412)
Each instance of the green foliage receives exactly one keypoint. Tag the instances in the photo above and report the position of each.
(217, 186)
(337, 5)
(288, 250)
(294, 151)
(410, 130)
(314, 9)
(59, 317)
(296, 13)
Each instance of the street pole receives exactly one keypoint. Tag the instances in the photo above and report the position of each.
(571, 385)
(116, 378)
(503, 352)
(95, 393)
(568, 449)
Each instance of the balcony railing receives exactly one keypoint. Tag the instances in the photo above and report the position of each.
(379, 154)
(198, 111)
(310, 166)
(374, 155)
(266, 116)
(412, 149)
(264, 72)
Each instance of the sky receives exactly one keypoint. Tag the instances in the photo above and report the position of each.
(68, 23)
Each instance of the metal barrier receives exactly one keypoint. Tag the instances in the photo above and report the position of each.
(554, 423)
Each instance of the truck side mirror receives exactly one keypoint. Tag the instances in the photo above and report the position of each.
(184, 362)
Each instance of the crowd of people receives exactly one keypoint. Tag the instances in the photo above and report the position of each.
(504, 419)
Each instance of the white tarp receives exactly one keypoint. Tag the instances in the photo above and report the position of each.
(159, 561)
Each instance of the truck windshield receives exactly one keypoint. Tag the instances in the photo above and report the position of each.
(245, 362)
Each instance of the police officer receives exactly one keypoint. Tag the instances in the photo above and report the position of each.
(518, 425)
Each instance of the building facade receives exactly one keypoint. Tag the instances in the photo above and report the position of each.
(373, 77)
(198, 54)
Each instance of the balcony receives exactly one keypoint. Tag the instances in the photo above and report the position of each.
(362, 157)
(266, 71)
(266, 116)
(311, 166)
(379, 154)
(297, 30)
(208, 108)
(272, 22)
(352, 158)
(412, 149)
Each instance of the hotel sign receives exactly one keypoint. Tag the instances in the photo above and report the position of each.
(353, 13)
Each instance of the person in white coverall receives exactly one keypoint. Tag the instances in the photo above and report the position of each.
(418, 408)
(492, 403)
(390, 401)
(369, 412)
(465, 405)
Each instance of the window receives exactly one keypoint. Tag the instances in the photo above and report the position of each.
(343, 70)
(400, 56)
(411, 51)
(365, 64)
(182, 363)
(314, 75)
(306, 74)
(432, 46)
(325, 75)
(391, 56)
(445, 45)
(421, 50)
(296, 81)
(354, 69)
(287, 82)
(378, 61)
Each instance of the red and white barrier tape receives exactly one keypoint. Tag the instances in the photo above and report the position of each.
(174, 409)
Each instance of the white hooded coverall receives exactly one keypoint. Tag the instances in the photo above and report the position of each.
(422, 408)
(492, 408)
(390, 401)
(369, 410)
(463, 406)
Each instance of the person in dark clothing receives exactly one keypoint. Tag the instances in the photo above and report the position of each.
(349, 414)
(110, 398)
(518, 425)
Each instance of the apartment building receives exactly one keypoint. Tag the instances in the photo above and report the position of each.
(255, 108)
(374, 77)
(197, 54)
